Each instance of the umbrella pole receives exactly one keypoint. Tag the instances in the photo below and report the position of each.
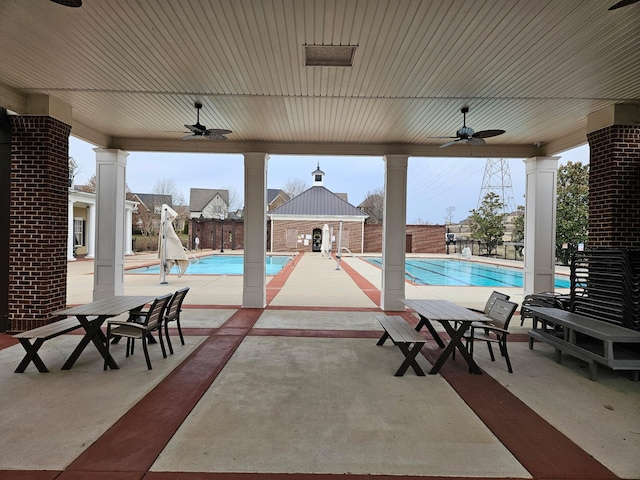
(339, 246)
(163, 259)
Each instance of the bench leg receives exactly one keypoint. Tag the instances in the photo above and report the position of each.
(593, 371)
(31, 355)
(383, 338)
(410, 358)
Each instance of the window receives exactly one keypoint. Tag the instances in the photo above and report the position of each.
(78, 232)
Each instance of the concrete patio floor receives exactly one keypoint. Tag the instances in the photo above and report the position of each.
(301, 389)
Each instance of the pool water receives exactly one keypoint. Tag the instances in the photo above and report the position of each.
(219, 265)
(463, 273)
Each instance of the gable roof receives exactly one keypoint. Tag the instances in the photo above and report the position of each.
(272, 193)
(317, 201)
(200, 197)
(149, 199)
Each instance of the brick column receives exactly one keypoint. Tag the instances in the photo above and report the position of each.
(38, 220)
(614, 180)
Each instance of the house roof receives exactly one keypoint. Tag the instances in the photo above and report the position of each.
(149, 199)
(200, 197)
(318, 201)
(272, 193)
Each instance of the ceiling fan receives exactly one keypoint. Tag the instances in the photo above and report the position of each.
(468, 135)
(200, 131)
(623, 3)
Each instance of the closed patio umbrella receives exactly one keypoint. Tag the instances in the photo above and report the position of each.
(170, 249)
(325, 248)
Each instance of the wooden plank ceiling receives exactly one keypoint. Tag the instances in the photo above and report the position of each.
(132, 70)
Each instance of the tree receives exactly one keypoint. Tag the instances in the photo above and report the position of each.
(572, 209)
(373, 205)
(518, 229)
(294, 186)
(167, 186)
(235, 202)
(487, 222)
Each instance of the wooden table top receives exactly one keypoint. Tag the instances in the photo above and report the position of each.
(443, 310)
(111, 306)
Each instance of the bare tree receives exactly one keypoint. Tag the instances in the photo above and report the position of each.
(294, 187)
(373, 205)
(421, 221)
(235, 201)
(167, 186)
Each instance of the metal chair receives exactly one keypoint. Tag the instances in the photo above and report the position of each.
(139, 325)
(495, 331)
(172, 314)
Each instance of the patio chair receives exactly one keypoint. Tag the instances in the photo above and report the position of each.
(172, 314)
(487, 307)
(490, 301)
(495, 331)
(139, 325)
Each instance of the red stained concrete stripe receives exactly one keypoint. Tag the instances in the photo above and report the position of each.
(279, 332)
(278, 281)
(134, 442)
(29, 475)
(7, 341)
(365, 285)
(543, 450)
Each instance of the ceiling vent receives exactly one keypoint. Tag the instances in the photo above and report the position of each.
(329, 55)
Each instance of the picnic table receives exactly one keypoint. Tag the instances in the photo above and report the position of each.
(90, 317)
(456, 321)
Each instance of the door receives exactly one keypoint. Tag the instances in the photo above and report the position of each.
(317, 240)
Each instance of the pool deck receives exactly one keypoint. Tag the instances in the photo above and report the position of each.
(299, 390)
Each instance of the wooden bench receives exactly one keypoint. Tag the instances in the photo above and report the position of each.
(403, 336)
(593, 341)
(40, 335)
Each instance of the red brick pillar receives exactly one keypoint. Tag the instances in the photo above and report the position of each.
(38, 220)
(614, 187)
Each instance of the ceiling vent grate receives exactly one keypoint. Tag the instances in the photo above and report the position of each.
(329, 55)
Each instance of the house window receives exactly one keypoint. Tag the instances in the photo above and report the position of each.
(78, 232)
(291, 240)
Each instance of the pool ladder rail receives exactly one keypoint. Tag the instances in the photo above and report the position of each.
(193, 259)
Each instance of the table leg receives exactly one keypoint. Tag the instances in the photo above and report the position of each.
(93, 333)
(31, 355)
(456, 342)
(425, 322)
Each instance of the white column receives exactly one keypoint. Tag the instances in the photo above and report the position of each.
(70, 232)
(540, 224)
(91, 231)
(110, 201)
(254, 289)
(128, 235)
(394, 232)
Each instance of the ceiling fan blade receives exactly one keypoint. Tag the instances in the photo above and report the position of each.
(191, 137)
(217, 131)
(450, 143)
(197, 128)
(477, 141)
(487, 133)
(623, 3)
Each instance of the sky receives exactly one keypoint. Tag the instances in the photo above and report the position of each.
(433, 184)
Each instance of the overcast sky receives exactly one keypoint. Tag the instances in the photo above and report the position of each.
(433, 184)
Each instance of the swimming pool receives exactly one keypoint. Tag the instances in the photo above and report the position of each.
(219, 265)
(427, 271)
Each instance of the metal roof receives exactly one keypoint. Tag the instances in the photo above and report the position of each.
(126, 73)
(317, 201)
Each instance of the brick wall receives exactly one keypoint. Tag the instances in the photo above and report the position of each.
(424, 238)
(614, 193)
(38, 220)
(351, 235)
